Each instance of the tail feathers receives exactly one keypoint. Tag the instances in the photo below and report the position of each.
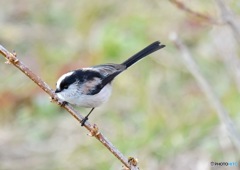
(143, 53)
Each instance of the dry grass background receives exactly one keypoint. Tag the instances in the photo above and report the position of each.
(157, 111)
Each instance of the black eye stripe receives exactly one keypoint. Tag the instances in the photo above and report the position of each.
(80, 76)
(66, 82)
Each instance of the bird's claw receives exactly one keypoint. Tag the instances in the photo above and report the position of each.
(63, 103)
(84, 120)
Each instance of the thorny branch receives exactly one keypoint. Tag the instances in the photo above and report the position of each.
(207, 89)
(12, 59)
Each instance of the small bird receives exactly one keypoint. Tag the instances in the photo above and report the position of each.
(91, 86)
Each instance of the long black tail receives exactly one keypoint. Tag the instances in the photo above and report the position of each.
(143, 53)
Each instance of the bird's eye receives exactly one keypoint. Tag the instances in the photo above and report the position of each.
(65, 86)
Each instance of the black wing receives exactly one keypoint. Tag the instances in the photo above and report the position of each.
(108, 73)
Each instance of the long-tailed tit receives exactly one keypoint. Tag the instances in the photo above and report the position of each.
(91, 86)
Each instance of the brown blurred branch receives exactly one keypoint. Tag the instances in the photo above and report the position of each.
(207, 89)
(204, 17)
(12, 59)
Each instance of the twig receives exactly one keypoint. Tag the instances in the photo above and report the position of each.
(206, 88)
(12, 59)
(231, 57)
(204, 17)
(227, 16)
(228, 52)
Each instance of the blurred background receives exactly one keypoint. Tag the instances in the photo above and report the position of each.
(157, 112)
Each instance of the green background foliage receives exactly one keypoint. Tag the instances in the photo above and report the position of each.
(157, 111)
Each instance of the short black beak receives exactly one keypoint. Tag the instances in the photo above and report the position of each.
(57, 91)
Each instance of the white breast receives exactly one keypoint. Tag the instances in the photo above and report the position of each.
(89, 101)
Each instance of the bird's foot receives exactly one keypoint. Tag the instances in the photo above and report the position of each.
(63, 103)
(84, 120)
(58, 101)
